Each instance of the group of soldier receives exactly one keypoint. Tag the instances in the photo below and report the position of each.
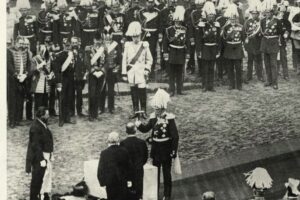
(52, 55)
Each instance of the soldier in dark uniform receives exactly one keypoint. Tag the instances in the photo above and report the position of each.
(296, 41)
(80, 75)
(138, 151)
(149, 18)
(252, 43)
(66, 23)
(221, 61)
(67, 61)
(166, 21)
(283, 39)
(89, 20)
(132, 13)
(48, 23)
(271, 30)
(187, 23)
(208, 45)
(164, 138)
(193, 29)
(26, 26)
(95, 63)
(18, 70)
(233, 35)
(113, 60)
(176, 50)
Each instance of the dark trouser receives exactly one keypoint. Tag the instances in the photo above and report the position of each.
(235, 73)
(95, 85)
(296, 57)
(109, 91)
(52, 99)
(152, 39)
(67, 93)
(36, 181)
(191, 63)
(15, 97)
(118, 191)
(200, 66)
(33, 45)
(139, 98)
(255, 60)
(166, 169)
(208, 75)
(40, 99)
(221, 67)
(270, 61)
(283, 62)
(138, 183)
(176, 71)
(78, 87)
(29, 99)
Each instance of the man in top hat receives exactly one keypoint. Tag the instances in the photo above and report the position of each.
(113, 60)
(115, 169)
(253, 40)
(208, 45)
(18, 76)
(176, 48)
(283, 39)
(164, 138)
(48, 23)
(149, 18)
(193, 29)
(138, 153)
(296, 38)
(271, 29)
(136, 67)
(233, 35)
(26, 25)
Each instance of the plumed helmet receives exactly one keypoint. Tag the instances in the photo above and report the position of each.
(62, 4)
(178, 15)
(232, 11)
(208, 195)
(134, 29)
(268, 5)
(23, 4)
(199, 2)
(223, 4)
(86, 2)
(254, 6)
(160, 99)
(208, 9)
(293, 185)
(259, 178)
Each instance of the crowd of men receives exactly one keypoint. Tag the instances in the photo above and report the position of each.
(52, 55)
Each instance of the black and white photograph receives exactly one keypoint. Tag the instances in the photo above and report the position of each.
(150, 100)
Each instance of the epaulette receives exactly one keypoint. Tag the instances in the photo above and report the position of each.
(170, 116)
(152, 115)
(217, 24)
(145, 44)
(88, 48)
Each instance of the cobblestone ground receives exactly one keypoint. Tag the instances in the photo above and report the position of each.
(209, 124)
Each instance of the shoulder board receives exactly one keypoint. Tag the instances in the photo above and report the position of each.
(170, 116)
(88, 48)
(152, 115)
(145, 44)
(217, 24)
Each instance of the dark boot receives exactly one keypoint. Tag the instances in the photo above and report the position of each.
(135, 101)
(143, 100)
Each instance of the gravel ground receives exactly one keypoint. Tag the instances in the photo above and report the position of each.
(209, 124)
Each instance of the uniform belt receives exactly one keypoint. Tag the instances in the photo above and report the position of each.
(161, 139)
(90, 30)
(117, 33)
(46, 31)
(150, 29)
(176, 46)
(210, 44)
(270, 37)
(64, 33)
(228, 42)
(27, 36)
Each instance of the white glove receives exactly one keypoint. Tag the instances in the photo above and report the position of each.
(52, 158)
(246, 40)
(22, 77)
(199, 55)
(218, 55)
(43, 163)
(85, 76)
(59, 89)
(129, 184)
(124, 78)
(98, 74)
(138, 123)
(50, 76)
(166, 56)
